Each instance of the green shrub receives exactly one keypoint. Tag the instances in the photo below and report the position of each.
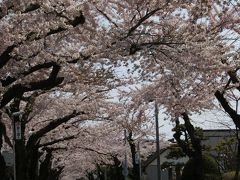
(210, 168)
(230, 175)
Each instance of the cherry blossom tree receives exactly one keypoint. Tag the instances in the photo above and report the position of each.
(227, 95)
(137, 124)
(179, 52)
(41, 53)
(68, 50)
(108, 144)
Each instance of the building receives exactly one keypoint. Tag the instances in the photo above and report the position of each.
(150, 166)
(210, 139)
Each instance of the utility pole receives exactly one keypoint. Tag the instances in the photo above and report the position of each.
(139, 160)
(136, 169)
(125, 163)
(157, 142)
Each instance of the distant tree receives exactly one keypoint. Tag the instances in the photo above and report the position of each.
(226, 155)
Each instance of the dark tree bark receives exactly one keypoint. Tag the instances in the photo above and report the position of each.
(178, 172)
(196, 143)
(19, 89)
(27, 154)
(32, 165)
(11, 79)
(2, 168)
(184, 144)
(234, 116)
(45, 166)
(3, 134)
(5, 56)
(133, 153)
(33, 139)
(196, 151)
(224, 103)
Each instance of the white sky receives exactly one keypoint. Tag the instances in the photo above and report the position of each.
(215, 119)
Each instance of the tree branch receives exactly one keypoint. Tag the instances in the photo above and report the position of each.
(5, 56)
(32, 36)
(9, 80)
(18, 89)
(196, 142)
(56, 141)
(9, 5)
(136, 47)
(231, 112)
(50, 126)
(233, 77)
(108, 18)
(29, 106)
(93, 150)
(32, 7)
(144, 18)
(183, 144)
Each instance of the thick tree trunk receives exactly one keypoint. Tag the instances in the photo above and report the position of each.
(45, 166)
(184, 144)
(2, 168)
(27, 154)
(2, 161)
(32, 163)
(133, 153)
(178, 172)
(20, 160)
(196, 143)
(234, 116)
(118, 169)
(237, 162)
(228, 109)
